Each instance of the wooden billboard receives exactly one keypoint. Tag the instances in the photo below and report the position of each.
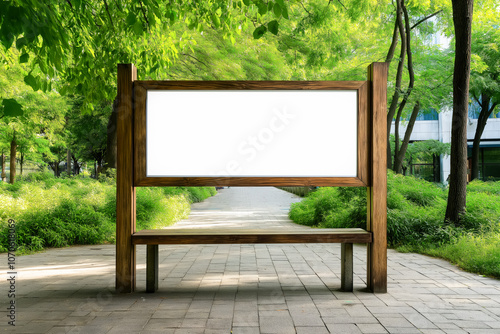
(251, 133)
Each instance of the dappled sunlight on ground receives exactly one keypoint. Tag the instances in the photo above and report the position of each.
(275, 288)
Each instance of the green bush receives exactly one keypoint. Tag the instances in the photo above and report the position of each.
(482, 211)
(488, 187)
(37, 176)
(415, 218)
(475, 253)
(198, 194)
(332, 208)
(68, 224)
(154, 210)
(315, 207)
(56, 212)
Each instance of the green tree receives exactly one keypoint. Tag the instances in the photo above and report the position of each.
(80, 42)
(425, 151)
(485, 71)
(86, 134)
(462, 21)
(216, 58)
(32, 118)
(426, 69)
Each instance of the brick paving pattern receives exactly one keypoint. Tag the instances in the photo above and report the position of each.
(284, 288)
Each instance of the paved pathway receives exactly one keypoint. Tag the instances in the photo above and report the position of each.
(287, 288)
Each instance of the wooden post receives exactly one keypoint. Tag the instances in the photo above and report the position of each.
(346, 267)
(151, 268)
(125, 190)
(377, 191)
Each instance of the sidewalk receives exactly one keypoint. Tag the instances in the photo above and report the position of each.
(287, 288)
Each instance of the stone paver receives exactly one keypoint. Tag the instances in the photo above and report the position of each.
(287, 288)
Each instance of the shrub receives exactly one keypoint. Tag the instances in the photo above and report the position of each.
(352, 212)
(315, 207)
(198, 194)
(37, 176)
(488, 187)
(109, 176)
(56, 212)
(415, 219)
(154, 210)
(475, 253)
(415, 210)
(67, 224)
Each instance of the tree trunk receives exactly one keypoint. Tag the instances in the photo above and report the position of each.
(399, 77)
(98, 170)
(76, 165)
(408, 91)
(110, 160)
(13, 151)
(53, 166)
(4, 175)
(21, 163)
(398, 159)
(394, 43)
(56, 168)
(481, 124)
(68, 162)
(462, 22)
(436, 170)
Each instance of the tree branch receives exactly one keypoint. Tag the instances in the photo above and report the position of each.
(394, 43)
(340, 2)
(442, 83)
(116, 4)
(309, 13)
(109, 15)
(185, 54)
(144, 14)
(475, 98)
(493, 107)
(70, 4)
(425, 19)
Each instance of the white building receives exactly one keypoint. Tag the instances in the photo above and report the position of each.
(438, 127)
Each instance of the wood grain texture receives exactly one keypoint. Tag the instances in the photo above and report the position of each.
(250, 85)
(140, 95)
(246, 236)
(125, 191)
(363, 135)
(152, 260)
(346, 267)
(143, 181)
(141, 88)
(377, 192)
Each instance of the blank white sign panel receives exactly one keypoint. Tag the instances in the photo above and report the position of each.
(287, 133)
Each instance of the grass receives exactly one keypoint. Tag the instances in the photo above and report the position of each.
(472, 252)
(56, 212)
(415, 219)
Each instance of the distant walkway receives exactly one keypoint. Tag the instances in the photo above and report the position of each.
(246, 208)
(288, 288)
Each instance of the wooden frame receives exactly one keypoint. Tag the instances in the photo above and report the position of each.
(371, 173)
(140, 92)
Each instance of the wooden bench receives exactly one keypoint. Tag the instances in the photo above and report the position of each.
(134, 160)
(172, 236)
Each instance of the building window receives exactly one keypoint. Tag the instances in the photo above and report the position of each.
(489, 163)
(427, 170)
(475, 109)
(427, 115)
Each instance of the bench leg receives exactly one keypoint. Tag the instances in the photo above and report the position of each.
(151, 268)
(346, 267)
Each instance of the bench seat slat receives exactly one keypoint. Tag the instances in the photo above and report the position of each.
(250, 236)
